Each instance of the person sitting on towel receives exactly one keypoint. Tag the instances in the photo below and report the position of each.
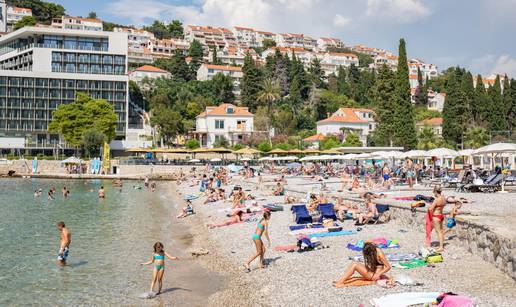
(374, 266)
(279, 191)
(372, 211)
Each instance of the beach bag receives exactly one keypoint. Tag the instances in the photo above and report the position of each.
(434, 258)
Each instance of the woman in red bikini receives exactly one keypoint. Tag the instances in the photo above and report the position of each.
(435, 218)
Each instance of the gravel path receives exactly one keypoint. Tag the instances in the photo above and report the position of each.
(304, 279)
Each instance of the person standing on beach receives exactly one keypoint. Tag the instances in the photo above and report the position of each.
(159, 265)
(434, 219)
(261, 228)
(64, 245)
(410, 173)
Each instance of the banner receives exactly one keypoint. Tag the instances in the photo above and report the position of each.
(105, 158)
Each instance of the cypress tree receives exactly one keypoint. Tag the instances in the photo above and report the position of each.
(195, 51)
(481, 104)
(507, 101)
(497, 119)
(178, 67)
(354, 82)
(404, 124)
(342, 82)
(270, 66)
(421, 90)
(280, 72)
(511, 110)
(454, 120)
(316, 73)
(250, 85)
(383, 103)
(469, 91)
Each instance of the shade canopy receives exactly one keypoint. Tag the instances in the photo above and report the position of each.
(194, 161)
(466, 152)
(442, 152)
(295, 151)
(284, 158)
(278, 151)
(265, 159)
(247, 151)
(216, 160)
(136, 149)
(311, 151)
(331, 152)
(415, 154)
(245, 159)
(72, 160)
(497, 148)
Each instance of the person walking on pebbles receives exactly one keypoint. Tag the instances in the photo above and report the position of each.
(261, 229)
(159, 266)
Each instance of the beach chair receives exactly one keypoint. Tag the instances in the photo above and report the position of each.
(301, 215)
(381, 210)
(489, 186)
(327, 212)
(454, 180)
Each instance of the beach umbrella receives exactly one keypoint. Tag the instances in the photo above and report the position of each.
(442, 152)
(72, 160)
(331, 152)
(220, 150)
(466, 152)
(194, 161)
(295, 151)
(216, 160)
(290, 158)
(363, 156)
(245, 159)
(247, 151)
(415, 154)
(497, 148)
(349, 156)
(174, 150)
(311, 151)
(307, 158)
(278, 151)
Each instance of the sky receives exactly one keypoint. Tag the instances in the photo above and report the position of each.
(476, 34)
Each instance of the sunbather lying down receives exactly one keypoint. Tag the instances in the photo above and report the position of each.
(375, 265)
(237, 217)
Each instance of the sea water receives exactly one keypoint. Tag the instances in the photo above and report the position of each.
(110, 238)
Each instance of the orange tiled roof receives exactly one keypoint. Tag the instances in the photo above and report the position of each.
(222, 67)
(243, 28)
(222, 110)
(348, 116)
(315, 138)
(21, 9)
(436, 121)
(150, 68)
(343, 54)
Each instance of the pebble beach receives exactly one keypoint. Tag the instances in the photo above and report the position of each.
(305, 278)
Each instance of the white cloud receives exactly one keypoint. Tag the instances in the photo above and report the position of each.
(340, 21)
(398, 11)
(491, 64)
(295, 16)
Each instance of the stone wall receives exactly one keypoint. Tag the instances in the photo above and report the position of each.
(25, 167)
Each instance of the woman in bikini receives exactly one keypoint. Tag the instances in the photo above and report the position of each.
(236, 218)
(159, 265)
(374, 266)
(434, 219)
(261, 229)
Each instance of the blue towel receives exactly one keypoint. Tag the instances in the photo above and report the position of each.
(359, 249)
(331, 234)
(298, 227)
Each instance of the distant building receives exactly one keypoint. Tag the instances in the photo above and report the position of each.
(324, 43)
(208, 71)
(210, 36)
(315, 140)
(15, 14)
(77, 23)
(226, 121)
(138, 44)
(232, 56)
(435, 123)
(147, 71)
(295, 40)
(246, 37)
(436, 101)
(344, 120)
(330, 61)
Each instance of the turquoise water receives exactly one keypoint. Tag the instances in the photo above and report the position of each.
(109, 240)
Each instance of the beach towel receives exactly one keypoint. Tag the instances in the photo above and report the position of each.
(392, 257)
(304, 226)
(331, 234)
(428, 228)
(361, 281)
(451, 300)
(191, 197)
(380, 243)
(414, 263)
(404, 198)
(307, 231)
(405, 299)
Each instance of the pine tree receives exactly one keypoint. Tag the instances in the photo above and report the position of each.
(196, 53)
(507, 101)
(383, 103)
(354, 82)
(316, 73)
(342, 82)
(469, 91)
(280, 73)
(456, 115)
(481, 104)
(250, 85)
(178, 67)
(497, 119)
(404, 124)
(511, 110)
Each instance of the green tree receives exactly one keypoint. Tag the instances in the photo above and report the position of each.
(214, 59)
(329, 143)
(92, 140)
(269, 93)
(26, 21)
(284, 121)
(507, 101)
(330, 102)
(42, 11)
(92, 15)
(168, 124)
(192, 144)
(178, 67)
(455, 119)
(264, 147)
(175, 29)
(511, 109)
(342, 83)
(481, 103)
(268, 43)
(223, 88)
(74, 119)
(427, 139)
(221, 142)
(422, 113)
(159, 29)
(404, 124)
(195, 51)
(497, 118)
(421, 90)
(316, 73)
(352, 140)
(476, 137)
(279, 67)
(250, 85)
(384, 105)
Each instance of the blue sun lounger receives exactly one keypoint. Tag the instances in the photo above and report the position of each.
(327, 212)
(301, 215)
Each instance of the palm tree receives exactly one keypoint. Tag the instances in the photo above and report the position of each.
(270, 92)
(476, 137)
(427, 139)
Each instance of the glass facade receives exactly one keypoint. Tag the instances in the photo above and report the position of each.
(26, 103)
(71, 62)
(57, 42)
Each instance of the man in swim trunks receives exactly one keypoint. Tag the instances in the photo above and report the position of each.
(410, 173)
(64, 245)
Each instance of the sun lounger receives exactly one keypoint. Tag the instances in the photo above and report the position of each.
(327, 212)
(489, 186)
(381, 210)
(301, 215)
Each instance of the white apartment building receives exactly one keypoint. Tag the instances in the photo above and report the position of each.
(147, 71)
(15, 14)
(77, 23)
(43, 67)
(427, 70)
(294, 40)
(235, 124)
(262, 35)
(210, 36)
(232, 56)
(246, 37)
(385, 59)
(435, 123)
(436, 101)
(324, 43)
(138, 44)
(208, 71)
(331, 61)
(165, 48)
(359, 121)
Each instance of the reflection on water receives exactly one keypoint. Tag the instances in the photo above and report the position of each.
(109, 240)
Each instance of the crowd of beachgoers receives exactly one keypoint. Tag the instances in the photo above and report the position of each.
(296, 229)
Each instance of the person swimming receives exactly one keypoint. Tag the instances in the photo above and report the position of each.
(159, 265)
(102, 193)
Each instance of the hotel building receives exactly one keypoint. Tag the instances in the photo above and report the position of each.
(44, 67)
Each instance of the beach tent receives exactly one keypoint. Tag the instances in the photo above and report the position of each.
(496, 148)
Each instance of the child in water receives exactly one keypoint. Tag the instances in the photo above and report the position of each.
(159, 265)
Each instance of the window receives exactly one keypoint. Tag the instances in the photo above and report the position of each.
(230, 110)
(219, 124)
